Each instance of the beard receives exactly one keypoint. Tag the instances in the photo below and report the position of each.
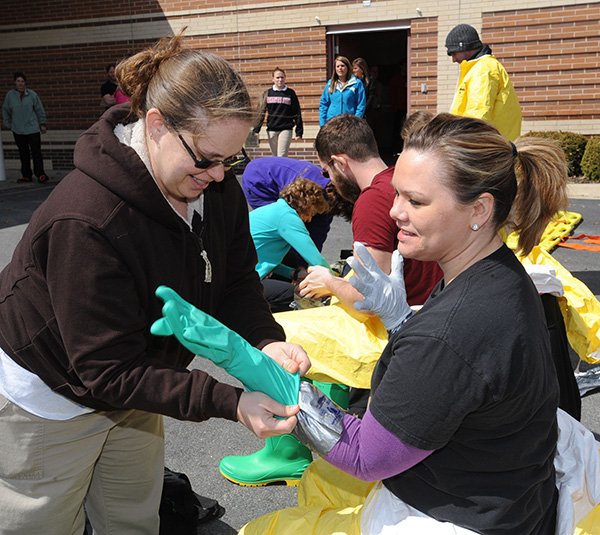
(346, 187)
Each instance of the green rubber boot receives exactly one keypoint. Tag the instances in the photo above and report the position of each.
(283, 459)
(335, 392)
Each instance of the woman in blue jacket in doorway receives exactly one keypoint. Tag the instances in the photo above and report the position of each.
(343, 93)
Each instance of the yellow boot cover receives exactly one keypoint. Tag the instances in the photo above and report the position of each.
(329, 501)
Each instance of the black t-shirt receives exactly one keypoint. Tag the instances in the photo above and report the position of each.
(471, 376)
(108, 88)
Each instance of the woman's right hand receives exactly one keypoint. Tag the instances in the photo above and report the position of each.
(317, 283)
(384, 295)
(257, 412)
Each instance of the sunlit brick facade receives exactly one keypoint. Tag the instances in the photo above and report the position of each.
(551, 50)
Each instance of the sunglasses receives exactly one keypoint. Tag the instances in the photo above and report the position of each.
(228, 163)
(324, 173)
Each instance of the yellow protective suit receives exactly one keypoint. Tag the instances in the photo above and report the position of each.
(579, 306)
(343, 347)
(329, 501)
(590, 525)
(484, 91)
(333, 502)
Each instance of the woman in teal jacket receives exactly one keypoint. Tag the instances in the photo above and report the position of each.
(343, 93)
(277, 227)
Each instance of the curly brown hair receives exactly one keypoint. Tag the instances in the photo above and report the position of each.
(305, 196)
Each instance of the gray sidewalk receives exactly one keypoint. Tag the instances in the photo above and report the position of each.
(583, 191)
(575, 191)
(12, 175)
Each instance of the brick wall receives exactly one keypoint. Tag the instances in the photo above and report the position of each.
(553, 57)
(42, 11)
(300, 52)
(552, 52)
(423, 64)
(67, 78)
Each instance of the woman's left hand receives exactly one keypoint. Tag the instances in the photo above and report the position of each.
(257, 410)
(290, 357)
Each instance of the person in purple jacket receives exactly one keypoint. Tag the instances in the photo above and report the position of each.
(264, 178)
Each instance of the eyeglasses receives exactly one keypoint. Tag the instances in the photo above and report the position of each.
(325, 173)
(228, 163)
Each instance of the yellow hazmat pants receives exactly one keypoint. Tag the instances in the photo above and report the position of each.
(330, 502)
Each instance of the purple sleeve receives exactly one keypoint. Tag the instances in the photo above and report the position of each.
(370, 452)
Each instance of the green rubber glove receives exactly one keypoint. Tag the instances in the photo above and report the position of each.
(207, 337)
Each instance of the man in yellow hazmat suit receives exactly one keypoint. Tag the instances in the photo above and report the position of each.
(484, 89)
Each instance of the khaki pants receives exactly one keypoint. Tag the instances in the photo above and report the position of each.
(279, 142)
(111, 460)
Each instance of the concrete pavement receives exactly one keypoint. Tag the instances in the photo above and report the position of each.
(575, 191)
(583, 191)
(12, 175)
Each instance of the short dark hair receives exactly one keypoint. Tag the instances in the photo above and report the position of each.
(278, 69)
(346, 134)
(19, 74)
(415, 121)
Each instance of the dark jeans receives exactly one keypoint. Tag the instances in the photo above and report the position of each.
(25, 143)
(279, 294)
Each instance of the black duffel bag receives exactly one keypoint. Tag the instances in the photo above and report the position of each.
(181, 509)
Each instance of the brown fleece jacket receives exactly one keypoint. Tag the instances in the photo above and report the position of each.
(77, 300)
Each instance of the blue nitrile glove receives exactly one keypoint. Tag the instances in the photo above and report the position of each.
(206, 337)
(384, 295)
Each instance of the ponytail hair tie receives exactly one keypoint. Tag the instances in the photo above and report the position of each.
(515, 153)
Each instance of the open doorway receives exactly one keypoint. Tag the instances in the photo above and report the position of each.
(385, 51)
